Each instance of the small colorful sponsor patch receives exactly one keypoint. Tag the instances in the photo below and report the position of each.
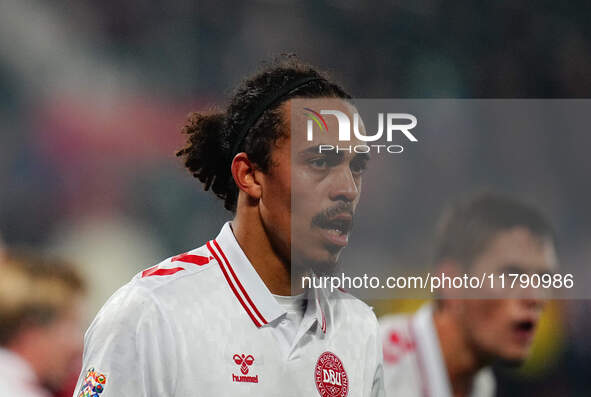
(93, 385)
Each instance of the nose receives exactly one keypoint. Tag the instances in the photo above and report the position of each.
(533, 302)
(344, 187)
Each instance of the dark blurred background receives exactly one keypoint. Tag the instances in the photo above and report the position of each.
(93, 96)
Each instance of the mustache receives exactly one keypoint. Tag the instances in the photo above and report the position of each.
(325, 219)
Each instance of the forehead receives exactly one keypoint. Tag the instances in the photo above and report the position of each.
(518, 247)
(301, 112)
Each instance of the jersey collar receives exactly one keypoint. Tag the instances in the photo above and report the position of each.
(431, 363)
(244, 281)
(429, 352)
(318, 303)
(250, 290)
(16, 369)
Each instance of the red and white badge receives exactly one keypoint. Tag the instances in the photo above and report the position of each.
(330, 376)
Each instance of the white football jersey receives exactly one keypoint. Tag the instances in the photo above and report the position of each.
(203, 323)
(413, 363)
(17, 378)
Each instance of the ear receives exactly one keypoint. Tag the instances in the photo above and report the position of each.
(245, 175)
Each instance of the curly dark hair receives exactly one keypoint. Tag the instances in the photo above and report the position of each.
(213, 135)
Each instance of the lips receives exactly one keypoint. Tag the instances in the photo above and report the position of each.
(336, 230)
(524, 330)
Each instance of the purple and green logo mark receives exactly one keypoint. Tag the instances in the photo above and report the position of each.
(317, 118)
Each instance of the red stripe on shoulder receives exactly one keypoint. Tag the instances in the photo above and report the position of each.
(194, 259)
(155, 271)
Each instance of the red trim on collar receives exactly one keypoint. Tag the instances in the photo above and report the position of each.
(323, 324)
(230, 277)
(240, 284)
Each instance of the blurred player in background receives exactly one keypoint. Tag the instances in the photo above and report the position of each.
(445, 348)
(40, 324)
(2, 248)
(220, 320)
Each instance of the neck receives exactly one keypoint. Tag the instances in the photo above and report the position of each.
(254, 240)
(460, 359)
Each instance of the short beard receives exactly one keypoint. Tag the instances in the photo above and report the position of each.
(301, 265)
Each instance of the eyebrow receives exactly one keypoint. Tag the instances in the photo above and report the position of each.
(315, 150)
(312, 149)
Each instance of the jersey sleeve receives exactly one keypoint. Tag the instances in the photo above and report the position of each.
(129, 349)
(401, 375)
(377, 389)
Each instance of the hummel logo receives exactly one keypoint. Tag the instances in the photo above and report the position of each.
(244, 361)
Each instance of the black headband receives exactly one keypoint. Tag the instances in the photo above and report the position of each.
(258, 112)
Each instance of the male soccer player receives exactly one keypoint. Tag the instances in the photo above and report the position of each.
(220, 320)
(445, 348)
(40, 324)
